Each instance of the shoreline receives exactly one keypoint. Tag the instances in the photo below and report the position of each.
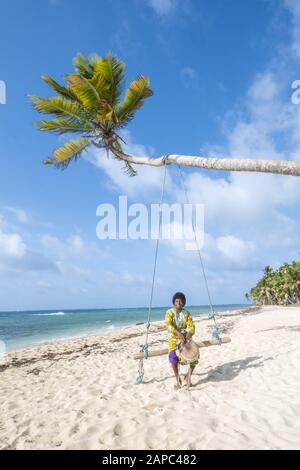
(74, 332)
(97, 335)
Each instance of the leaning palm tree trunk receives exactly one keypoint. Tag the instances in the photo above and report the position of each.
(282, 167)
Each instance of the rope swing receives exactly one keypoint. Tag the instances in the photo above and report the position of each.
(216, 339)
(145, 350)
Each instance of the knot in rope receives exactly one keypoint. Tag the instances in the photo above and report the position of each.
(165, 158)
(216, 334)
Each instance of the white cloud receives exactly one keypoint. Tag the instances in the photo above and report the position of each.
(50, 242)
(224, 253)
(263, 121)
(229, 253)
(11, 246)
(264, 88)
(235, 250)
(250, 206)
(20, 214)
(76, 244)
(72, 246)
(162, 7)
(125, 278)
(2, 222)
(71, 271)
(16, 256)
(189, 77)
(188, 72)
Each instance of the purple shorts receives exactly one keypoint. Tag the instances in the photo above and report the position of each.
(173, 357)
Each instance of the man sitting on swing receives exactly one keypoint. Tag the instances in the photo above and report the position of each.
(180, 325)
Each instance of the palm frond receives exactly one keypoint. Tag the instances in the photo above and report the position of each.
(82, 66)
(70, 151)
(93, 60)
(61, 90)
(111, 68)
(127, 168)
(135, 96)
(62, 125)
(85, 91)
(106, 114)
(56, 105)
(101, 86)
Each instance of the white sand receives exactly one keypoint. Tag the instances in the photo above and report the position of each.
(246, 393)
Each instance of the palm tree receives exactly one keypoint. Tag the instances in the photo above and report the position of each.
(278, 287)
(268, 270)
(89, 105)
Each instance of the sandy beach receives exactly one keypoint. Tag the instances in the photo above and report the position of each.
(81, 394)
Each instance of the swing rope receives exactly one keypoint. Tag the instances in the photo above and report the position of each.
(144, 348)
(212, 315)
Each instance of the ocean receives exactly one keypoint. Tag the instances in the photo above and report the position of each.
(23, 329)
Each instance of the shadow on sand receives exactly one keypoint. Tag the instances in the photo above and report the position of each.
(225, 372)
(276, 328)
(230, 370)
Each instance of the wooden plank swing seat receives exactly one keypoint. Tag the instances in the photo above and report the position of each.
(200, 344)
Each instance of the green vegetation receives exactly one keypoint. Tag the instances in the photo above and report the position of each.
(281, 287)
(89, 106)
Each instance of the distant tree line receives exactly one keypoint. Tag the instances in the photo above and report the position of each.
(278, 287)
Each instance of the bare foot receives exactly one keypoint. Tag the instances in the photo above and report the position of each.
(187, 380)
(178, 385)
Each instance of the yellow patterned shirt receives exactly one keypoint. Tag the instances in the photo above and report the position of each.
(181, 322)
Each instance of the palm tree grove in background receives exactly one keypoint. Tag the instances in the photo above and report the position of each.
(278, 287)
(89, 105)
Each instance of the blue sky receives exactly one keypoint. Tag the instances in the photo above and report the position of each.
(221, 72)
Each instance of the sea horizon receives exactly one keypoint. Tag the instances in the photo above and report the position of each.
(20, 329)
